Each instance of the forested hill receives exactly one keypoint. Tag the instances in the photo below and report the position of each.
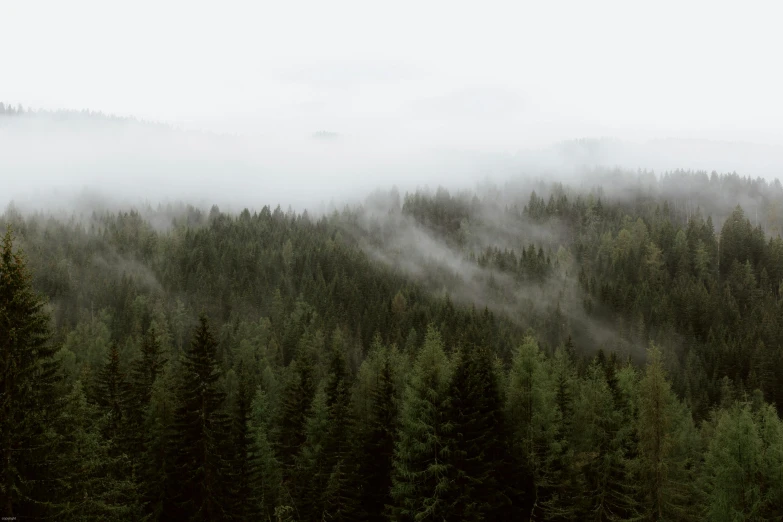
(605, 351)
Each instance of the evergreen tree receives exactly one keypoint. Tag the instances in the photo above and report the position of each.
(665, 432)
(112, 395)
(244, 474)
(561, 481)
(340, 502)
(270, 479)
(90, 472)
(29, 402)
(479, 461)
(604, 441)
(533, 419)
(144, 372)
(420, 474)
(376, 465)
(157, 462)
(297, 397)
(311, 472)
(201, 431)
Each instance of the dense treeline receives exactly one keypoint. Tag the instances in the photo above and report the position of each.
(273, 366)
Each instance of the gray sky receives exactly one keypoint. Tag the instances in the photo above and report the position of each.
(421, 93)
(487, 75)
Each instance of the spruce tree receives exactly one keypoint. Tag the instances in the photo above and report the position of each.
(139, 435)
(479, 460)
(665, 437)
(533, 420)
(310, 473)
(270, 478)
(732, 463)
(29, 404)
(420, 474)
(157, 461)
(560, 481)
(244, 475)
(201, 435)
(112, 395)
(378, 451)
(340, 502)
(91, 473)
(297, 397)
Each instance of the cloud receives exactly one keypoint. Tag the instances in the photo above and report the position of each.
(350, 74)
(470, 105)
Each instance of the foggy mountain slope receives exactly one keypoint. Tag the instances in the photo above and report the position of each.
(411, 261)
(51, 156)
(574, 289)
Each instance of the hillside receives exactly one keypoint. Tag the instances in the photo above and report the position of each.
(507, 352)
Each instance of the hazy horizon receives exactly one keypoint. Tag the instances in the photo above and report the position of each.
(411, 94)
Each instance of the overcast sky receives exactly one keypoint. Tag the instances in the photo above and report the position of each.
(490, 75)
(420, 93)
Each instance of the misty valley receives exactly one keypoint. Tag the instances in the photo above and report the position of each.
(594, 344)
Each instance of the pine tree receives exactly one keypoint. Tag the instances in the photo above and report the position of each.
(560, 482)
(340, 502)
(732, 464)
(604, 436)
(144, 373)
(29, 404)
(156, 466)
(270, 478)
(665, 434)
(201, 433)
(112, 395)
(90, 471)
(479, 460)
(147, 368)
(376, 465)
(245, 474)
(420, 475)
(297, 397)
(310, 470)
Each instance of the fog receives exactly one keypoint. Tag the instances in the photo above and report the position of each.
(404, 94)
(50, 162)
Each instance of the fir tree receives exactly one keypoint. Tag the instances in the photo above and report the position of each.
(479, 461)
(533, 419)
(201, 431)
(664, 431)
(376, 468)
(244, 475)
(112, 394)
(420, 475)
(90, 472)
(29, 403)
(270, 479)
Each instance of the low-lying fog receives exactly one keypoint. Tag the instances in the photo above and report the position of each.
(310, 102)
(46, 161)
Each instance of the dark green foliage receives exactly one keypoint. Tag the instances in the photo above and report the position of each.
(319, 399)
(244, 478)
(479, 457)
(201, 437)
(92, 474)
(297, 397)
(29, 402)
(378, 449)
(420, 475)
(112, 393)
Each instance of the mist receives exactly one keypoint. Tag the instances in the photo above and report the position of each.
(53, 163)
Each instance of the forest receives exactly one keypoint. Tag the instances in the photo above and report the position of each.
(610, 350)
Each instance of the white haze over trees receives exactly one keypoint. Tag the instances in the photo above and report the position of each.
(302, 103)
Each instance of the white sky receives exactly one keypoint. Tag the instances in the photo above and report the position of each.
(486, 75)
